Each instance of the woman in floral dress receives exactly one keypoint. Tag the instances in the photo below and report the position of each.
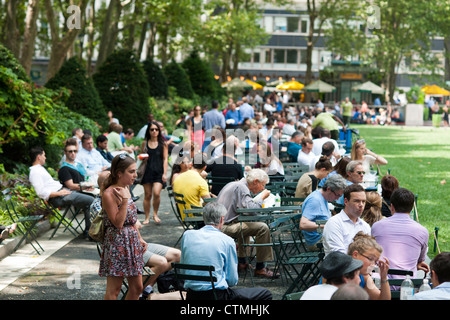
(123, 246)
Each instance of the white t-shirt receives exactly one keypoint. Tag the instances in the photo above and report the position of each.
(305, 159)
(319, 292)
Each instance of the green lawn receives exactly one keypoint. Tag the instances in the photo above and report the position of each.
(419, 157)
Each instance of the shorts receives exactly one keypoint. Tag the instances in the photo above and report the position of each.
(154, 248)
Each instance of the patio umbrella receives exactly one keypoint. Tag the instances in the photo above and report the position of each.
(291, 85)
(237, 83)
(370, 87)
(319, 86)
(435, 90)
(256, 86)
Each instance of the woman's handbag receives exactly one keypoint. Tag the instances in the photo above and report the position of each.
(141, 165)
(97, 229)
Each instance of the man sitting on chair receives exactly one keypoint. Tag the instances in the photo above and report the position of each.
(236, 195)
(53, 191)
(209, 246)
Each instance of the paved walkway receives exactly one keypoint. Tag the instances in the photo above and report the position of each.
(68, 269)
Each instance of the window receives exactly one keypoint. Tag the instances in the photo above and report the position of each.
(292, 24)
(278, 55)
(304, 26)
(256, 56)
(291, 56)
(280, 24)
(268, 24)
(268, 56)
(302, 56)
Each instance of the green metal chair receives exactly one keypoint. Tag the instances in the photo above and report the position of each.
(25, 225)
(181, 275)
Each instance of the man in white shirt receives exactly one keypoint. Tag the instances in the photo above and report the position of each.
(305, 155)
(53, 191)
(340, 229)
(92, 161)
(338, 269)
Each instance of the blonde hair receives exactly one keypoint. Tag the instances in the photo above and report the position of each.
(363, 242)
(372, 210)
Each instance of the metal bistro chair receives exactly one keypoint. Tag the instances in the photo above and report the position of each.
(25, 225)
(207, 277)
(61, 218)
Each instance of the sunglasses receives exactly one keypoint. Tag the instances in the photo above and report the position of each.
(360, 141)
(153, 129)
(361, 172)
(72, 151)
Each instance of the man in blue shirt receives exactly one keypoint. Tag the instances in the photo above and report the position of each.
(316, 208)
(211, 119)
(440, 278)
(210, 246)
(246, 110)
(233, 114)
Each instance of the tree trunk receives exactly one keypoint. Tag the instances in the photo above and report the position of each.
(107, 33)
(447, 57)
(91, 30)
(237, 52)
(309, 50)
(60, 48)
(151, 41)
(29, 36)
(12, 33)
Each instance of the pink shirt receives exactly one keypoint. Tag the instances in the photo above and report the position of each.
(404, 241)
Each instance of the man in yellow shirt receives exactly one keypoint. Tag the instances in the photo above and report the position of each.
(192, 185)
(347, 108)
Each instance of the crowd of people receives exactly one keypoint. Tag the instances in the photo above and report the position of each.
(365, 228)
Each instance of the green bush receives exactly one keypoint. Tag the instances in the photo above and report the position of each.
(200, 75)
(178, 78)
(122, 85)
(156, 78)
(8, 61)
(84, 98)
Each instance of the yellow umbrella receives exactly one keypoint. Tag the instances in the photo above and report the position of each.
(291, 85)
(256, 86)
(435, 90)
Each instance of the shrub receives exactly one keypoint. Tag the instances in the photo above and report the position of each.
(123, 88)
(84, 98)
(157, 80)
(8, 61)
(200, 75)
(178, 78)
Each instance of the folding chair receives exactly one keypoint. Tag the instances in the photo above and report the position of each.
(186, 224)
(217, 183)
(61, 218)
(295, 295)
(179, 275)
(300, 266)
(25, 225)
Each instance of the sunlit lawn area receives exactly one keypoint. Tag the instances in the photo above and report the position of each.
(419, 157)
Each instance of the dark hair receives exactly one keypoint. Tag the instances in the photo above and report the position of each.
(316, 132)
(356, 187)
(215, 104)
(101, 138)
(71, 142)
(161, 140)
(120, 163)
(328, 148)
(341, 166)
(403, 200)
(388, 185)
(74, 131)
(85, 137)
(34, 152)
(441, 266)
(324, 163)
(199, 161)
(340, 280)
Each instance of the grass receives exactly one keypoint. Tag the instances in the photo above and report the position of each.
(419, 157)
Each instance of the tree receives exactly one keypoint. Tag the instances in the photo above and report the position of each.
(84, 97)
(200, 75)
(177, 78)
(122, 85)
(61, 44)
(403, 30)
(156, 78)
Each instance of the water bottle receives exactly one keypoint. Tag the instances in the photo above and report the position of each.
(407, 289)
(425, 286)
(277, 200)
